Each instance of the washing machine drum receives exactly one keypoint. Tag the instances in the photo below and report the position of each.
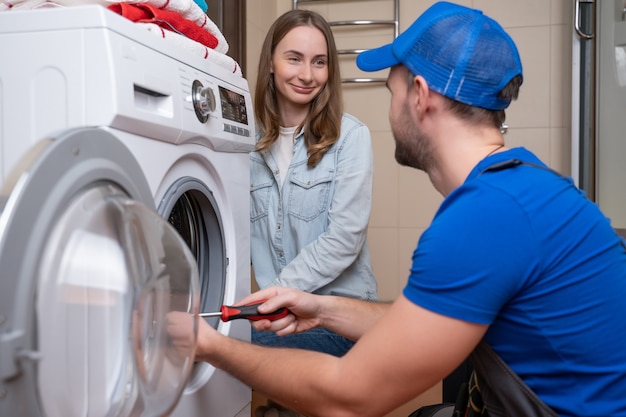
(90, 275)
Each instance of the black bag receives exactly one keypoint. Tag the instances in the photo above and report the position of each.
(493, 390)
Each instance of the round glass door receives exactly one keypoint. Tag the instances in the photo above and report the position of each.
(91, 278)
(112, 271)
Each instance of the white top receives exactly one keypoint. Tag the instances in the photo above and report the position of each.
(282, 151)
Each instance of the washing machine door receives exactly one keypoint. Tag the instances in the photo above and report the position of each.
(89, 274)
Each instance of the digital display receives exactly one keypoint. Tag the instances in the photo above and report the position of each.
(233, 106)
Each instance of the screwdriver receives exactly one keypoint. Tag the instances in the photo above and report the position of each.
(247, 311)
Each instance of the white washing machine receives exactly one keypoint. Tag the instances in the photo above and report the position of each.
(125, 196)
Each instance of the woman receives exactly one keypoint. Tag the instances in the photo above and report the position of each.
(311, 176)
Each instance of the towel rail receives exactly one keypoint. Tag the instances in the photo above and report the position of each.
(362, 22)
(394, 23)
(363, 80)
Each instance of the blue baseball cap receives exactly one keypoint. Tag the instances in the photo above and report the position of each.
(461, 53)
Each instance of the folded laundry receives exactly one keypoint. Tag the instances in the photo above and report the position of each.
(147, 13)
(191, 11)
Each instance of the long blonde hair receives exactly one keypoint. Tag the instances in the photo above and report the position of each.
(322, 124)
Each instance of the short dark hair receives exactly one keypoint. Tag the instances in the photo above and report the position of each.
(480, 115)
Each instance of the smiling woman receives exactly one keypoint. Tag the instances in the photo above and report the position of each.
(311, 176)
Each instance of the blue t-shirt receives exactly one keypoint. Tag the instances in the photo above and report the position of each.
(523, 250)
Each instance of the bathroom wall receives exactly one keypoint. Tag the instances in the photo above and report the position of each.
(404, 200)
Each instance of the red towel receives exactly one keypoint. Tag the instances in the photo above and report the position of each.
(166, 19)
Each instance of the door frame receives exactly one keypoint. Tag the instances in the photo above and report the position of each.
(230, 18)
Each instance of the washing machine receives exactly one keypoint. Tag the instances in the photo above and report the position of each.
(124, 200)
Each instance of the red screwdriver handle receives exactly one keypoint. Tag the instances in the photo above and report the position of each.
(251, 312)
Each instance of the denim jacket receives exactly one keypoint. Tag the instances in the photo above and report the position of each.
(312, 234)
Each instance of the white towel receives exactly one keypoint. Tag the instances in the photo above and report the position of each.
(194, 47)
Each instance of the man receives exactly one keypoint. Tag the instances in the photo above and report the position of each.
(515, 255)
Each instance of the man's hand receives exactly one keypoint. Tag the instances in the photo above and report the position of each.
(304, 310)
(184, 340)
(181, 331)
(348, 317)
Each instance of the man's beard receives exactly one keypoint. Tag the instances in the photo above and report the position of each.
(413, 147)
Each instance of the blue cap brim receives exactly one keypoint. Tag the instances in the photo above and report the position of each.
(377, 59)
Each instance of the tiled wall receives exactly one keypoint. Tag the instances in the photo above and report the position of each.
(404, 200)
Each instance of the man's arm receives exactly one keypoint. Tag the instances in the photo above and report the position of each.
(406, 351)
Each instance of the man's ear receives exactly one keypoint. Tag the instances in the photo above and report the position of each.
(421, 93)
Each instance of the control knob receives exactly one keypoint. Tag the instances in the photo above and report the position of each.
(203, 99)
